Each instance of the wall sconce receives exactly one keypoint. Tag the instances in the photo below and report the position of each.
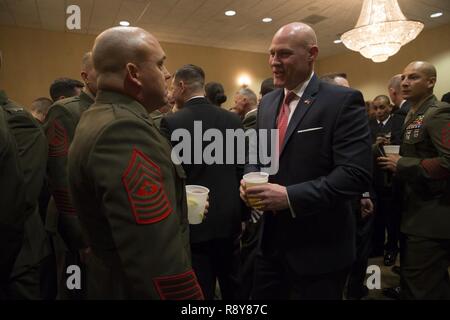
(244, 80)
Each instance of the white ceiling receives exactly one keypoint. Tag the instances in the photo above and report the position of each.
(202, 22)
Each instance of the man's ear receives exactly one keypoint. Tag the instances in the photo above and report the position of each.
(182, 85)
(84, 76)
(133, 74)
(431, 82)
(313, 53)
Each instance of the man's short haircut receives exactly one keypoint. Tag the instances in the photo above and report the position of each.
(267, 86)
(384, 98)
(249, 94)
(395, 82)
(446, 97)
(64, 87)
(329, 77)
(192, 75)
(41, 105)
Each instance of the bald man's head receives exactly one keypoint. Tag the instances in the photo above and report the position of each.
(130, 60)
(299, 33)
(418, 80)
(292, 54)
(115, 47)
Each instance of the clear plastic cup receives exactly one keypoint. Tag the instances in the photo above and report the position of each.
(196, 201)
(255, 179)
(391, 149)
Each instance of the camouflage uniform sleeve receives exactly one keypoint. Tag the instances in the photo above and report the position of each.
(60, 129)
(135, 181)
(436, 168)
(12, 201)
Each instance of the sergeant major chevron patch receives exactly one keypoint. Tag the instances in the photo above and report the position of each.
(57, 140)
(144, 185)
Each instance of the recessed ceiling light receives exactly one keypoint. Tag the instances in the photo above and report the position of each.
(124, 23)
(337, 41)
(267, 20)
(230, 13)
(436, 14)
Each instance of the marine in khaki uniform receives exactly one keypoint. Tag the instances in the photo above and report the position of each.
(129, 195)
(24, 280)
(12, 198)
(12, 201)
(424, 166)
(62, 219)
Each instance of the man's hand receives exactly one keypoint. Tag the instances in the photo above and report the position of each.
(383, 140)
(243, 193)
(389, 162)
(366, 207)
(206, 207)
(270, 197)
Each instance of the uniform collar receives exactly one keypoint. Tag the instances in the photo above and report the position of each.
(428, 102)
(85, 99)
(112, 97)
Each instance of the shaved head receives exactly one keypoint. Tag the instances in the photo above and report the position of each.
(418, 80)
(86, 62)
(422, 66)
(299, 33)
(130, 60)
(116, 47)
(293, 52)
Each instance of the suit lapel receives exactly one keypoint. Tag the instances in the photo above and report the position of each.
(303, 106)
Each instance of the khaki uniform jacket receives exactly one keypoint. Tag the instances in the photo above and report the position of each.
(132, 204)
(12, 197)
(61, 121)
(32, 155)
(425, 167)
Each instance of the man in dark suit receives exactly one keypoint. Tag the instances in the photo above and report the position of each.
(245, 104)
(308, 237)
(400, 110)
(214, 242)
(386, 217)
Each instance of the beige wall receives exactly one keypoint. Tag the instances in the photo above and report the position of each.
(34, 58)
(372, 78)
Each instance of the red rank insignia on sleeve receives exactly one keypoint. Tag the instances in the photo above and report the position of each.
(57, 140)
(446, 135)
(144, 185)
(179, 287)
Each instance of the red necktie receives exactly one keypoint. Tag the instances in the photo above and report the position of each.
(283, 118)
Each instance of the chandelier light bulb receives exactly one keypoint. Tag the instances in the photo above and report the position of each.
(381, 30)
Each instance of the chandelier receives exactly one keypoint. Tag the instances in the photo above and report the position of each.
(381, 30)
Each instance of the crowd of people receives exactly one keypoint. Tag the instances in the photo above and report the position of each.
(88, 179)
